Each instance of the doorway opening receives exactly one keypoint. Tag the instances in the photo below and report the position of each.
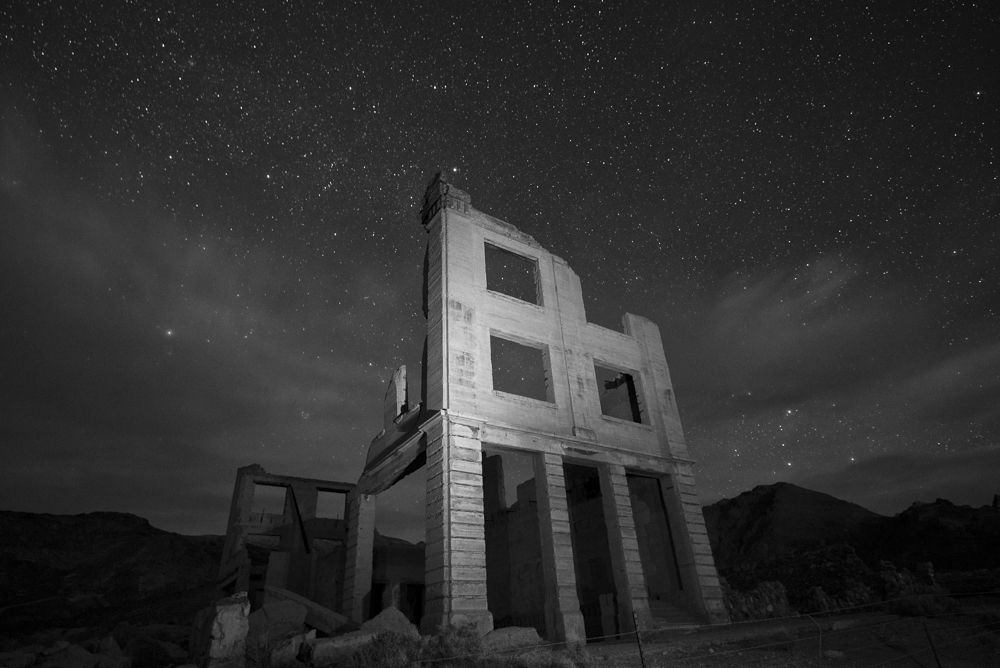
(595, 582)
(514, 584)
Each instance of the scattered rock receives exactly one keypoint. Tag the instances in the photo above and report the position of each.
(221, 631)
(121, 661)
(391, 620)
(109, 646)
(18, 659)
(71, 656)
(146, 652)
(288, 651)
(327, 651)
(277, 620)
(833, 654)
(323, 619)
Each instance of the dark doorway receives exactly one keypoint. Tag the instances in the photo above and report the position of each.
(656, 544)
(514, 583)
(591, 550)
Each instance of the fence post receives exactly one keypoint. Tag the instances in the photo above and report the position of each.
(820, 634)
(931, 641)
(638, 639)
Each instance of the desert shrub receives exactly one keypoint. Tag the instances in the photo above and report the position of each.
(388, 650)
(459, 646)
(922, 605)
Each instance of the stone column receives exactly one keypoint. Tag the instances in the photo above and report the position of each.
(455, 557)
(563, 619)
(360, 543)
(694, 552)
(626, 563)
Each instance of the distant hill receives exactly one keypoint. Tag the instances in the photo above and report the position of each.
(776, 520)
(771, 520)
(953, 538)
(118, 556)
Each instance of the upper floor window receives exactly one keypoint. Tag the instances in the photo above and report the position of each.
(520, 369)
(512, 274)
(620, 394)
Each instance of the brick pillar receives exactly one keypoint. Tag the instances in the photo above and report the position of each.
(694, 552)
(563, 619)
(455, 556)
(630, 585)
(360, 543)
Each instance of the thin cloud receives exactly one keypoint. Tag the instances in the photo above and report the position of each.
(889, 484)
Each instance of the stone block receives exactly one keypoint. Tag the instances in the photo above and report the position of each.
(71, 656)
(288, 650)
(463, 503)
(105, 661)
(275, 620)
(316, 615)
(18, 659)
(222, 631)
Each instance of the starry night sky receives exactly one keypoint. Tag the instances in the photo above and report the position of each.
(210, 248)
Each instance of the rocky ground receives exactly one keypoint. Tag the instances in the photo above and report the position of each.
(967, 638)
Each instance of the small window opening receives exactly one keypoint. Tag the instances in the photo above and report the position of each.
(620, 396)
(330, 505)
(268, 502)
(512, 274)
(520, 369)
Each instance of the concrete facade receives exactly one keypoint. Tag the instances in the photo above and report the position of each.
(528, 305)
(292, 549)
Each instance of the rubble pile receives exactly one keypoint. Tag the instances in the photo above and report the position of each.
(768, 600)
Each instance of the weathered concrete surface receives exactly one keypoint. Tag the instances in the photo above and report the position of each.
(222, 631)
(288, 650)
(320, 618)
(276, 620)
(360, 543)
(327, 651)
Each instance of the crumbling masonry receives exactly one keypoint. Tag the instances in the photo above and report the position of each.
(609, 529)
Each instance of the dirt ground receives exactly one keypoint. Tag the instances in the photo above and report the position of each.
(966, 638)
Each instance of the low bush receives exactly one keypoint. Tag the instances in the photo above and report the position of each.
(922, 605)
(457, 647)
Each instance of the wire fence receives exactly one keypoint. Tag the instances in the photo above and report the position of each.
(898, 635)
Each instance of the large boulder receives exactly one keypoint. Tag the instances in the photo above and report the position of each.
(221, 631)
(327, 651)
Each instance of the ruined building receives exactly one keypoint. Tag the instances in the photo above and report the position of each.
(605, 526)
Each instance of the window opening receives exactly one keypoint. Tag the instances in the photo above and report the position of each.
(268, 503)
(520, 369)
(619, 394)
(330, 505)
(512, 274)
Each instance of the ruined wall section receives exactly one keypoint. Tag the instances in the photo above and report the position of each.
(464, 384)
